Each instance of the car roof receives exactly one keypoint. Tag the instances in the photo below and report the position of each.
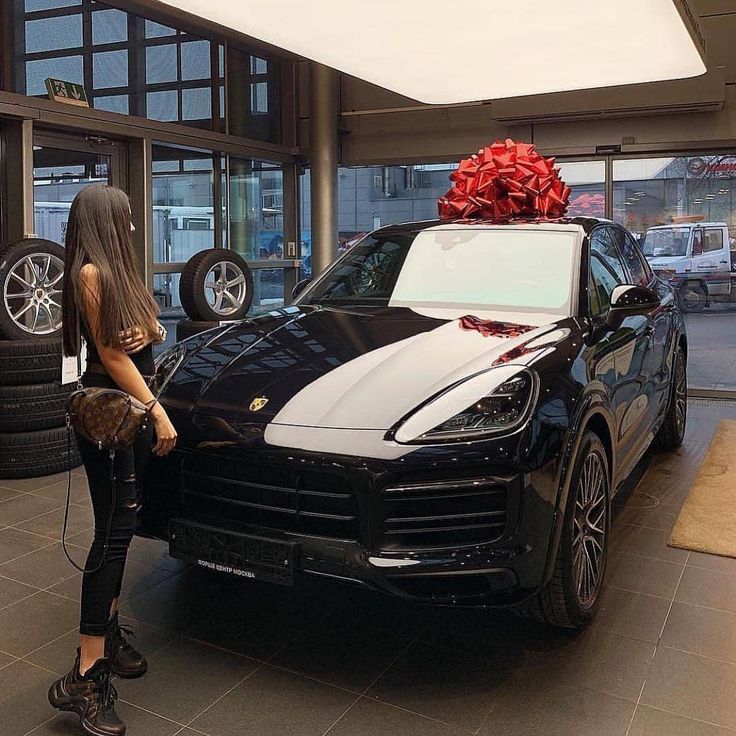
(587, 223)
(689, 224)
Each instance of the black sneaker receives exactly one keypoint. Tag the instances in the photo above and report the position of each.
(91, 696)
(125, 661)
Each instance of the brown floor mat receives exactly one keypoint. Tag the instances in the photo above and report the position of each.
(707, 521)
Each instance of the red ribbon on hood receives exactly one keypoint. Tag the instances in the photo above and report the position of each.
(503, 181)
(492, 328)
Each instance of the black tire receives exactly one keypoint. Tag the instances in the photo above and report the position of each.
(672, 432)
(34, 454)
(559, 603)
(693, 297)
(38, 406)
(49, 311)
(188, 328)
(193, 293)
(29, 361)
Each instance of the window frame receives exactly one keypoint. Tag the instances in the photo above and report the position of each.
(707, 230)
(602, 230)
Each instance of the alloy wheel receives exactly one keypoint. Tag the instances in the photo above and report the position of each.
(590, 530)
(32, 293)
(226, 287)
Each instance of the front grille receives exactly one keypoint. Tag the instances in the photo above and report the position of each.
(445, 513)
(272, 496)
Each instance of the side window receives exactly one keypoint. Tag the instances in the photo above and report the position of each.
(640, 272)
(602, 283)
(606, 271)
(713, 240)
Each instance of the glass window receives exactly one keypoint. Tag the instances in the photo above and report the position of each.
(110, 69)
(180, 197)
(253, 96)
(196, 104)
(58, 175)
(683, 209)
(112, 103)
(167, 74)
(161, 63)
(604, 246)
(505, 269)
(256, 215)
(109, 26)
(33, 6)
(587, 181)
(195, 60)
(603, 280)
(51, 34)
(259, 98)
(712, 239)
(666, 242)
(638, 272)
(268, 290)
(163, 106)
(68, 68)
(156, 30)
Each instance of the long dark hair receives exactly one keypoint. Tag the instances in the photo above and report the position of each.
(99, 232)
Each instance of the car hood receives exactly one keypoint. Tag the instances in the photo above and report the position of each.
(349, 369)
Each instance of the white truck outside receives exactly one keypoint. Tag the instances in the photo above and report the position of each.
(695, 258)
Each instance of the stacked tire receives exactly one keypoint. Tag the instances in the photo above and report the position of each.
(215, 285)
(34, 440)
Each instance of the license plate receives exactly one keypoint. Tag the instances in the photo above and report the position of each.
(243, 555)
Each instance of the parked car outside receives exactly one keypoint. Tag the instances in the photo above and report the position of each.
(695, 258)
(445, 414)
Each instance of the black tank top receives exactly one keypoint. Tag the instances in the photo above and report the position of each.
(142, 360)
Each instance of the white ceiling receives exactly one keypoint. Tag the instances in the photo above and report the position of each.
(466, 50)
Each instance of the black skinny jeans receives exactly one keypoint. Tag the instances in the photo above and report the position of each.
(101, 587)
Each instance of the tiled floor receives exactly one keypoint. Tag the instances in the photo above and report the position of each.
(229, 658)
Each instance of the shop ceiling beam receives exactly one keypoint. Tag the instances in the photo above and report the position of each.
(111, 124)
(323, 111)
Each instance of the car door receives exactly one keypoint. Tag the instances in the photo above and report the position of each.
(650, 368)
(716, 249)
(703, 262)
(630, 345)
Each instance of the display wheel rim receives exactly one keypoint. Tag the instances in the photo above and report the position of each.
(30, 293)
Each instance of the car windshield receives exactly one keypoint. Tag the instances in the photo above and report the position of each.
(668, 242)
(508, 269)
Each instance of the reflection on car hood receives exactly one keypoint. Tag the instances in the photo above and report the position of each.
(354, 369)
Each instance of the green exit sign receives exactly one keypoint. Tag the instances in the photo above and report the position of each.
(69, 93)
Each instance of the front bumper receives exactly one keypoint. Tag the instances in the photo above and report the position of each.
(487, 547)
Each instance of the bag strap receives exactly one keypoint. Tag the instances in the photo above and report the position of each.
(113, 479)
(79, 348)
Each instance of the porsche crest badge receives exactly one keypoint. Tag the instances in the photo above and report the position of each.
(258, 403)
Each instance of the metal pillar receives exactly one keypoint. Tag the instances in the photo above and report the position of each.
(140, 166)
(19, 161)
(323, 162)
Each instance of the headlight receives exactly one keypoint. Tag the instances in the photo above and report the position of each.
(167, 363)
(496, 402)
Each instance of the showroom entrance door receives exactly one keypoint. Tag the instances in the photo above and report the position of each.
(64, 164)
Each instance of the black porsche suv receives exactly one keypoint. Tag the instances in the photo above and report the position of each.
(445, 414)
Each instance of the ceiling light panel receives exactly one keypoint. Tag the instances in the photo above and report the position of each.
(469, 50)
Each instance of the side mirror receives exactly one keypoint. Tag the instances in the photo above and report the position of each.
(300, 286)
(630, 301)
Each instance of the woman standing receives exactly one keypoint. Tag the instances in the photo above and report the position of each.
(106, 299)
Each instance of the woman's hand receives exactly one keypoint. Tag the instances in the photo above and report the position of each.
(165, 432)
(134, 340)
